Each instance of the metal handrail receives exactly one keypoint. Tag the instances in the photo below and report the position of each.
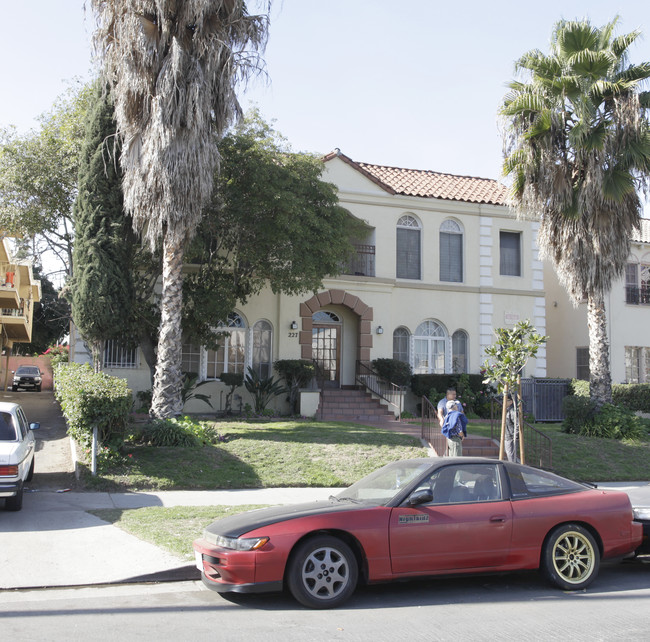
(320, 382)
(431, 433)
(387, 390)
(538, 447)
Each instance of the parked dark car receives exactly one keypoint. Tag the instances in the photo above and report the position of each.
(28, 378)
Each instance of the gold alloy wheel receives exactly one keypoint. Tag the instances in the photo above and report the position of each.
(574, 557)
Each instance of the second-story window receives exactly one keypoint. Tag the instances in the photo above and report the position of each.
(637, 284)
(408, 248)
(510, 253)
(451, 252)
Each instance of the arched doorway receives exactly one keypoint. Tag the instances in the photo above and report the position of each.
(323, 338)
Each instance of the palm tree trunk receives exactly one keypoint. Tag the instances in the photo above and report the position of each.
(600, 380)
(167, 400)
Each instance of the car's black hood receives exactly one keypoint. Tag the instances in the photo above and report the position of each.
(237, 525)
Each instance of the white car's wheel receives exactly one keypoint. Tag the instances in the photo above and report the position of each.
(16, 502)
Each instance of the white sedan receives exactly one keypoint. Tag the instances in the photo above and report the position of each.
(17, 446)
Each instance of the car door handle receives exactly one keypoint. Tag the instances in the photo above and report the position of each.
(499, 519)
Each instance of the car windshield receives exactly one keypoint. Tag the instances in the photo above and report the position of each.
(27, 370)
(380, 487)
(7, 428)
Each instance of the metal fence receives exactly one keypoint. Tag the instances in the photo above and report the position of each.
(543, 398)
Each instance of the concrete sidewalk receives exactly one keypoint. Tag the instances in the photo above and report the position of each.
(54, 542)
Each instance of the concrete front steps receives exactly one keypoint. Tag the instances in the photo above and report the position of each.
(339, 404)
(480, 447)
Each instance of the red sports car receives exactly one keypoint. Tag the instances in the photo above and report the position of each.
(422, 517)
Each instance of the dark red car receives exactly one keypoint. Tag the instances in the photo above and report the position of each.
(422, 517)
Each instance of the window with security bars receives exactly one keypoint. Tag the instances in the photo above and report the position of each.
(582, 364)
(637, 364)
(408, 248)
(116, 355)
(451, 252)
(510, 253)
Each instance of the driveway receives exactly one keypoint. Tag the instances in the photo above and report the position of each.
(54, 468)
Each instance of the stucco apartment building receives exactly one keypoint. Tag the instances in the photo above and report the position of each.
(628, 316)
(442, 263)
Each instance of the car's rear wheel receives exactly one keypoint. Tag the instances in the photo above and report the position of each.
(30, 472)
(322, 572)
(15, 502)
(571, 557)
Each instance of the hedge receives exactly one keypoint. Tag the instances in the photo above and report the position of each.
(422, 384)
(88, 398)
(633, 396)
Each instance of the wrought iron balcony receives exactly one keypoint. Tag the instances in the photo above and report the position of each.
(362, 262)
(637, 296)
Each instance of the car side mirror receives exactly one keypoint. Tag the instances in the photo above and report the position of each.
(420, 497)
(34, 426)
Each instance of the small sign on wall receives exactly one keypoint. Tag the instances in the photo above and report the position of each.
(511, 318)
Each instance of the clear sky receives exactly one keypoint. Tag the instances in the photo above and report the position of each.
(409, 83)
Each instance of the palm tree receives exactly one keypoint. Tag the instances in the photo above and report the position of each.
(173, 66)
(577, 147)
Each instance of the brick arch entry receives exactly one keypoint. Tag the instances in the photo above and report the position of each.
(336, 297)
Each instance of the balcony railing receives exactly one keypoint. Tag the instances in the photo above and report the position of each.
(362, 262)
(637, 296)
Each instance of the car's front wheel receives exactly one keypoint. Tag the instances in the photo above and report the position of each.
(571, 557)
(322, 572)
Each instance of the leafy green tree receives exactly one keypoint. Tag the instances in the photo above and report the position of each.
(38, 178)
(507, 358)
(577, 150)
(264, 226)
(51, 319)
(174, 73)
(101, 289)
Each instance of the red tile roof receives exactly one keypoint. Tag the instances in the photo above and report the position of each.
(428, 184)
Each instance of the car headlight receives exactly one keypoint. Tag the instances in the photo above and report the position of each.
(37, 380)
(642, 513)
(236, 543)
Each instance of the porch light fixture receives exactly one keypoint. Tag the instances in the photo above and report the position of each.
(294, 325)
(380, 330)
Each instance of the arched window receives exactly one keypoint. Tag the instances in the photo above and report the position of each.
(459, 362)
(401, 344)
(408, 248)
(262, 349)
(231, 355)
(429, 348)
(451, 252)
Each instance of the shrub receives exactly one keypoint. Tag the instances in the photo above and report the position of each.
(233, 380)
(579, 413)
(89, 398)
(262, 390)
(168, 432)
(615, 422)
(393, 370)
(633, 396)
(298, 373)
(610, 422)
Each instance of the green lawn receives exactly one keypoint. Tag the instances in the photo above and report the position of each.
(278, 454)
(173, 529)
(311, 454)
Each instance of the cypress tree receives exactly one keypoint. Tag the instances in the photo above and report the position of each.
(101, 289)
